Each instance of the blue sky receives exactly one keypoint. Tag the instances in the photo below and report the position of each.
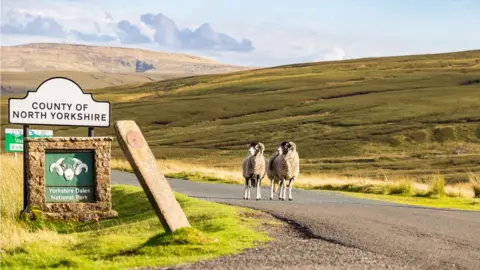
(254, 33)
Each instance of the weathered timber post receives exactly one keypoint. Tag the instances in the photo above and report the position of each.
(153, 181)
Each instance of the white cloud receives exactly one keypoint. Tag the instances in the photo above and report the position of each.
(275, 43)
(334, 54)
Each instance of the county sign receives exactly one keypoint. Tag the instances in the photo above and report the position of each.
(14, 138)
(59, 102)
(65, 177)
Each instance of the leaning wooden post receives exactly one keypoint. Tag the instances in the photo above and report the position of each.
(153, 181)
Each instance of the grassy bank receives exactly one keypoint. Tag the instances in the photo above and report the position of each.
(434, 193)
(411, 115)
(134, 239)
(434, 201)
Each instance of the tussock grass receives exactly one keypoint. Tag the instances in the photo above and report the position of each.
(16, 234)
(195, 171)
(401, 190)
(474, 180)
(405, 187)
(437, 186)
(134, 239)
(188, 170)
(11, 188)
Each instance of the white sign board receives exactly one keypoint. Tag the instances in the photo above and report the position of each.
(59, 102)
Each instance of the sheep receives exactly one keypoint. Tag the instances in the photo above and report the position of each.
(254, 169)
(283, 165)
(271, 175)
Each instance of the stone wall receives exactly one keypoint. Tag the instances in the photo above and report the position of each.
(83, 211)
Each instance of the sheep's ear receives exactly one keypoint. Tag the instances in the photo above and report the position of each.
(293, 145)
(262, 146)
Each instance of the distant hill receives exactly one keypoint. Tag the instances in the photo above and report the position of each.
(19, 82)
(37, 61)
(85, 58)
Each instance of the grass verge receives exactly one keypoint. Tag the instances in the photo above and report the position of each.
(404, 190)
(134, 239)
(434, 202)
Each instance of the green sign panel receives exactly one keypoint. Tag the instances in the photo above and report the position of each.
(14, 138)
(69, 177)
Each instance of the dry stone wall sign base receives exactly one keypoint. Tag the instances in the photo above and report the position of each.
(69, 177)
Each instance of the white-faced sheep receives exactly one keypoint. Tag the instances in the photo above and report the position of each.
(284, 165)
(254, 169)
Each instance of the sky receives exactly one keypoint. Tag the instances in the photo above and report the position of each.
(251, 33)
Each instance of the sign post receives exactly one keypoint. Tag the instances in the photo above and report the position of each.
(65, 177)
(25, 168)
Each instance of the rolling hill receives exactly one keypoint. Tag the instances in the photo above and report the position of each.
(19, 82)
(409, 115)
(26, 66)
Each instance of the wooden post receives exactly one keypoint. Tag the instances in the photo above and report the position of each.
(153, 182)
(90, 132)
(25, 167)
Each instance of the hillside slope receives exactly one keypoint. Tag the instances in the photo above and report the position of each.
(20, 82)
(411, 115)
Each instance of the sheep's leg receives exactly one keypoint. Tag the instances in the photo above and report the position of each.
(249, 186)
(280, 190)
(259, 194)
(246, 189)
(281, 196)
(272, 183)
(290, 184)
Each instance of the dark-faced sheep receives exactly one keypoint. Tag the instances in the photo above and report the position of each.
(284, 165)
(254, 169)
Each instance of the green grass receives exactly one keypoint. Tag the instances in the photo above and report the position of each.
(437, 187)
(406, 115)
(434, 202)
(199, 177)
(137, 239)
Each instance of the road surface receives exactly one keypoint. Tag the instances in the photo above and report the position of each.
(348, 233)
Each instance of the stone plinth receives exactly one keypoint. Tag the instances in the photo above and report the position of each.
(78, 187)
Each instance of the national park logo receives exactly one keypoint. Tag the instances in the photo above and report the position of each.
(68, 171)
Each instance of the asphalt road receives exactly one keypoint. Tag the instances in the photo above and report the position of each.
(371, 234)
